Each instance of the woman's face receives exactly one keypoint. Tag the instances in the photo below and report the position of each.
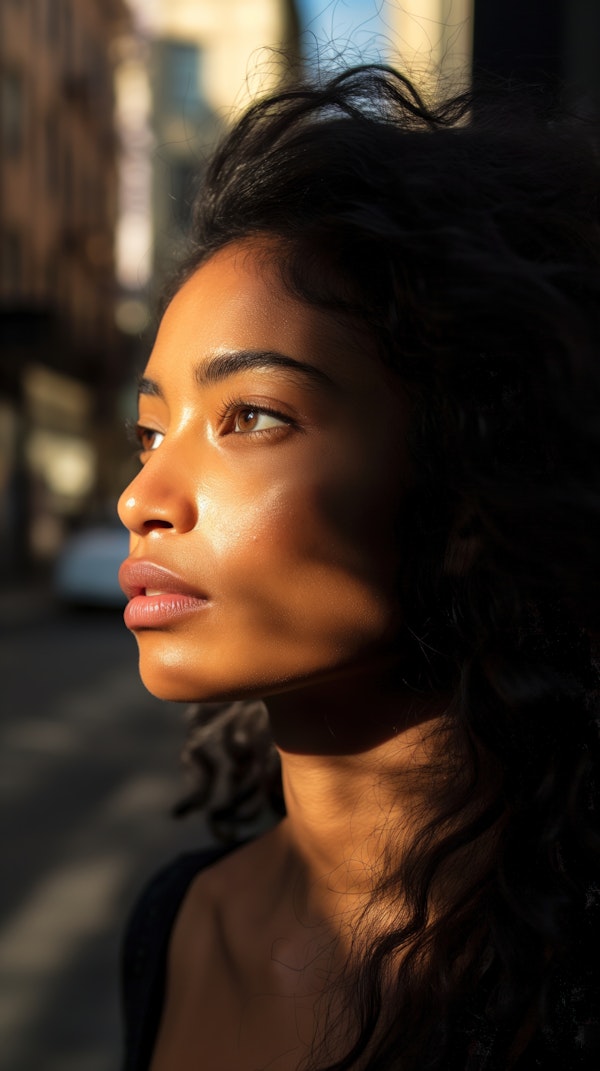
(262, 519)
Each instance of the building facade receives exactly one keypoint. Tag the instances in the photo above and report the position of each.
(202, 62)
(59, 348)
(432, 41)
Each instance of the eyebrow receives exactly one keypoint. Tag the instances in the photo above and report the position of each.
(230, 363)
(149, 386)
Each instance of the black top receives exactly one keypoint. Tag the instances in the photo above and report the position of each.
(144, 968)
(145, 950)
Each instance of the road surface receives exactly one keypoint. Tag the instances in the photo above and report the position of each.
(89, 771)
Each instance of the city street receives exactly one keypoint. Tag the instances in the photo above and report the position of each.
(90, 770)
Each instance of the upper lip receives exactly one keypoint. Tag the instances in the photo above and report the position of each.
(137, 575)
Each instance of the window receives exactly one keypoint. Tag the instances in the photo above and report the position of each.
(184, 176)
(13, 112)
(53, 17)
(69, 37)
(12, 262)
(182, 75)
(52, 154)
(68, 182)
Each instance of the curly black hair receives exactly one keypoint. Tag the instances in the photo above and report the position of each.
(466, 239)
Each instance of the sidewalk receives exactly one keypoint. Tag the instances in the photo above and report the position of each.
(25, 601)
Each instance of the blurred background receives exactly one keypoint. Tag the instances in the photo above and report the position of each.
(108, 110)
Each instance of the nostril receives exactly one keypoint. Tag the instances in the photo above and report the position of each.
(148, 526)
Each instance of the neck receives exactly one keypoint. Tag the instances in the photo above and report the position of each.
(354, 780)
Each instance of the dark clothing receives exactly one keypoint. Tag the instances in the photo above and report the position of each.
(144, 969)
(145, 951)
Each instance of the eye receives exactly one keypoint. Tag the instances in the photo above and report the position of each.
(148, 438)
(254, 419)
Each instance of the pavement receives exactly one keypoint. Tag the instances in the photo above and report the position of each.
(90, 771)
(27, 600)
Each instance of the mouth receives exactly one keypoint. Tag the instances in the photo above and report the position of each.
(157, 597)
(139, 577)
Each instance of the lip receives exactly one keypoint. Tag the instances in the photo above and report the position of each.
(174, 597)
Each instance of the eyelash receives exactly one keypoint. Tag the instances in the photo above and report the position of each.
(135, 432)
(230, 409)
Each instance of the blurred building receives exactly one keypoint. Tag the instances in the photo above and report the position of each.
(59, 348)
(189, 69)
(551, 44)
(433, 40)
(107, 109)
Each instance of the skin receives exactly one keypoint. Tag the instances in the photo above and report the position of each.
(286, 525)
(287, 529)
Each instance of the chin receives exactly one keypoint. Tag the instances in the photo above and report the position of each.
(175, 685)
(170, 672)
(174, 689)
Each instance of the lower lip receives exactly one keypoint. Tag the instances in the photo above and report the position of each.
(155, 611)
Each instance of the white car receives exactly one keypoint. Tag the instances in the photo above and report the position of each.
(86, 570)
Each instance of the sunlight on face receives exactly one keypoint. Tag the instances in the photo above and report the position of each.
(273, 458)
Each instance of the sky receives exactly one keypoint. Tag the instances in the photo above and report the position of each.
(355, 25)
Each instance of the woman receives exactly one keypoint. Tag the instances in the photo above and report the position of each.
(369, 496)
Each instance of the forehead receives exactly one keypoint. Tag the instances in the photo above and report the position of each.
(236, 300)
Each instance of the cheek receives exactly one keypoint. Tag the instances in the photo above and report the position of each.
(307, 552)
(298, 591)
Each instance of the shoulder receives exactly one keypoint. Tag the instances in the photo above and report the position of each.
(222, 915)
(145, 948)
(213, 892)
(199, 881)
(157, 905)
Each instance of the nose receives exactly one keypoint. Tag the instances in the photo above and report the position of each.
(158, 497)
